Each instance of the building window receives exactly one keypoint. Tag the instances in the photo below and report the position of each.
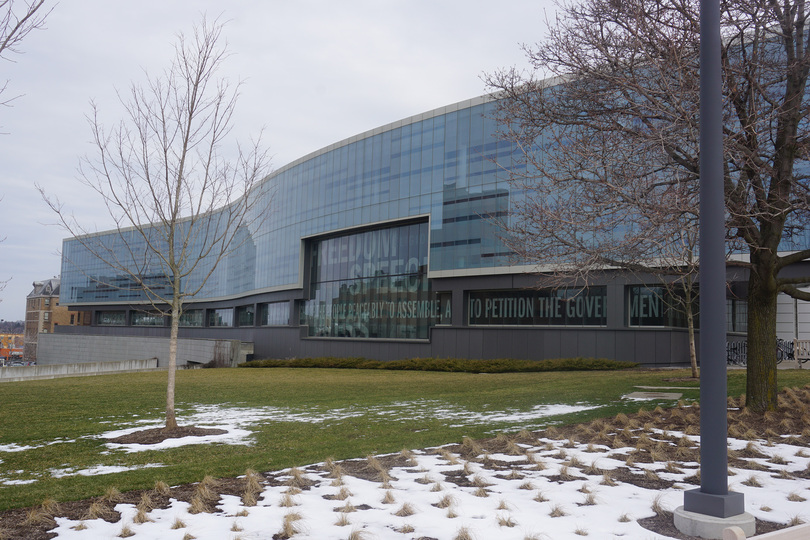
(220, 317)
(111, 318)
(46, 316)
(548, 307)
(274, 314)
(47, 302)
(192, 317)
(245, 315)
(72, 319)
(371, 284)
(736, 315)
(658, 306)
(147, 318)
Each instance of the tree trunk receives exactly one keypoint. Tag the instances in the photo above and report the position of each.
(761, 390)
(690, 324)
(171, 420)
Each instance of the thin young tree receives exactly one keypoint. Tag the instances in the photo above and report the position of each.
(179, 203)
(608, 120)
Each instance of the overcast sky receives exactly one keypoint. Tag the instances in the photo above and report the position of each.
(315, 72)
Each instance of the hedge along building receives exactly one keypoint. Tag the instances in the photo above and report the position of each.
(386, 245)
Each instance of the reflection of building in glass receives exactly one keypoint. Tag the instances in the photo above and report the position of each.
(386, 245)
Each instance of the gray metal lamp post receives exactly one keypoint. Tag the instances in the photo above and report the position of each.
(706, 511)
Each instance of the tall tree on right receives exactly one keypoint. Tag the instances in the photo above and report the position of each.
(608, 117)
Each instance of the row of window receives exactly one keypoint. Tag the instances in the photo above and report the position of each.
(269, 314)
(409, 315)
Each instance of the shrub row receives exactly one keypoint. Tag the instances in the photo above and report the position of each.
(501, 365)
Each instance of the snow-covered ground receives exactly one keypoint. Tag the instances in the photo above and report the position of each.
(547, 488)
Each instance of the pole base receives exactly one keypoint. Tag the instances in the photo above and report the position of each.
(719, 506)
(711, 527)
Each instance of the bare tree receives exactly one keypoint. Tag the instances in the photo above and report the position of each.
(180, 206)
(616, 135)
(17, 20)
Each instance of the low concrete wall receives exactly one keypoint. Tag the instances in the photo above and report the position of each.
(26, 373)
(60, 348)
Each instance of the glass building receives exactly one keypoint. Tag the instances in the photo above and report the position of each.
(386, 245)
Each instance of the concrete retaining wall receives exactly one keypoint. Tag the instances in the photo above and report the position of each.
(25, 373)
(53, 349)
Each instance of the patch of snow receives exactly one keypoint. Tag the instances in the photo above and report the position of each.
(516, 505)
(100, 469)
(238, 421)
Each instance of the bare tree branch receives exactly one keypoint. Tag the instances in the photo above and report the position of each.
(17, 20)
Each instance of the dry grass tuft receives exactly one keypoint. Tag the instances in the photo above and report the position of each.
(481, 492)
(98, 510)
(658, 507)
(141, 517)
(565, 474)
(470, 448)
(540, 497)
(146, 503)
(161, 488)
(347, 508)
(446, 502)
(357, 534)
(557, 511)
(449, 457)
(479, 481)
(197, 505)
(288, 525)
(287, 501)
(795, 521)
(463, 534)
(112, 495)
(405, 510)
(249, 498)
(178, 524)
(410, 457)
(252, 481)
(389, 497)
(607, 479)
(126, 532)
(343, 520)
(37, 516)
(204, 492)
(297, 479)
(343, 494)
(795, 497)
(506, 521)
(752, 481)
(425, 480)
(405, 529)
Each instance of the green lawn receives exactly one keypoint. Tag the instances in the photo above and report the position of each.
(307, 415)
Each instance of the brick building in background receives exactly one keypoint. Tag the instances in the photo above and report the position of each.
(43, 313)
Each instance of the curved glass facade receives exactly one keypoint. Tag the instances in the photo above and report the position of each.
(440, 164)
